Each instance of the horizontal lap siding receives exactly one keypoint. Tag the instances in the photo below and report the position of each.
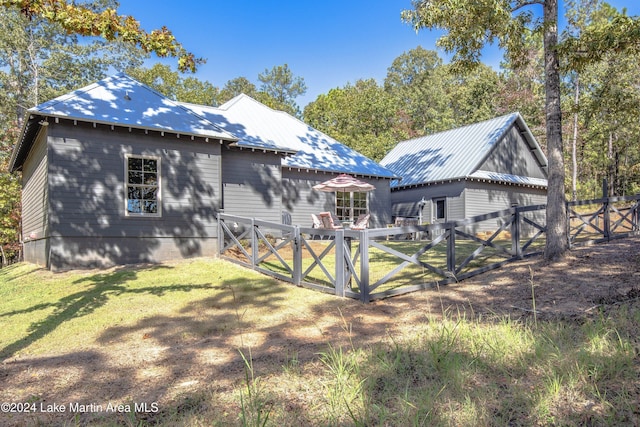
(301, 200)
(482, 199)
(35, 200)
(380, 203)
(405, 202)
(86, 179)
(252, 184)
(34, 191)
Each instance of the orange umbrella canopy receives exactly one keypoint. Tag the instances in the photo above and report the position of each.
(344, 182)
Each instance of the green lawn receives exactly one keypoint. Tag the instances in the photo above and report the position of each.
(434, 370)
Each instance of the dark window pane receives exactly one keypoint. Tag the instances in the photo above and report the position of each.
(440, 213)
(134, 193)
(135, 177)
(150, 193)
(150, 178)
(150, 206)
(135, 164)
(150, 165)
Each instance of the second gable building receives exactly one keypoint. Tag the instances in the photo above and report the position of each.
(468, 171)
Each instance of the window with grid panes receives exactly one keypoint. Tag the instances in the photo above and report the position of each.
(346, 201)
(142, 187)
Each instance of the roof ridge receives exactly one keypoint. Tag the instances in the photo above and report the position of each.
(514, 116)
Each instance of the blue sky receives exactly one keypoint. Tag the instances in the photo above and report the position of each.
(329, 43)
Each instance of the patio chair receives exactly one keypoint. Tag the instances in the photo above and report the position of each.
(362, 222)
(316, 223)
(328, 222)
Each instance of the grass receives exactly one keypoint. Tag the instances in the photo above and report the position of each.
(445, 370)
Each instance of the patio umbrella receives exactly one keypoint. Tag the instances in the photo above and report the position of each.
(345, 183)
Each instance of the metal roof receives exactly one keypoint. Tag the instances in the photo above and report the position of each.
(123, 101)
(258, 126)
(457, 153)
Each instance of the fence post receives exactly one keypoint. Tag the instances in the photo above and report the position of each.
(516, 250)
(364, 266)
(297, 256)
(254, 244)
(606, 210)
(340, 264)
(451, 250)
(220, 235)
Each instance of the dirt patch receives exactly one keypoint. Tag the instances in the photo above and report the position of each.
(142, 368)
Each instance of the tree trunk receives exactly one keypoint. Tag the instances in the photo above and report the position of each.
(574, 145)
(557, 239)
(610, 175)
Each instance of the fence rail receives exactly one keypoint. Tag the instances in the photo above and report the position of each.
(378, 263)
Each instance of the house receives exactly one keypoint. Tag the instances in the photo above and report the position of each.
(468, 171)
(116, 173)
(317, 158)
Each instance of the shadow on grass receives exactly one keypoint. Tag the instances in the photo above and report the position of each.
(8, 271)
(99, 288)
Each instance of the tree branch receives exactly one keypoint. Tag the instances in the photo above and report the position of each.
(524, 3)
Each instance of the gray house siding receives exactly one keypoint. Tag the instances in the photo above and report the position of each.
(300, 200)
(405, 201)
(464, 199)
(35, 203)
(484, 198)
(86, 189)
(512, 155)
(380, 203)
(251, 184)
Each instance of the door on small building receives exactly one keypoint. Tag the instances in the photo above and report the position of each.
(439, 213)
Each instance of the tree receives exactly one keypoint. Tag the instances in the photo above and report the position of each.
(237, 86)
(521, 87)
(362, 116)
(39, 60)
(472, 96)
(86, 20)
(172, 85)
(469, 26)
(9, 199)
(283, 88)
(417, 80)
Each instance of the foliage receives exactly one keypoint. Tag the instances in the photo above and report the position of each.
(237, 86)
(282, 87)
(172, 85)
(471, 26)
(608, 101)
(362, 116)
(9, 199)
(39, 60)
(421, 95)
(87, 20)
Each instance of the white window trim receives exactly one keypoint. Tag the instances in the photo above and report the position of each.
(435, 208)
(158, 214)
(351, 208)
